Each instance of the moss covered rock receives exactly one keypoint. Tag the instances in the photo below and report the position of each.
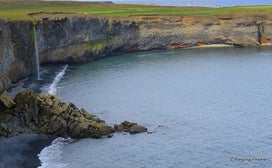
(132, 128)
(30, 112)
(6, 101)
(46, 114)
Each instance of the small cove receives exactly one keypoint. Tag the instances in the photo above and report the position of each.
(204, 107)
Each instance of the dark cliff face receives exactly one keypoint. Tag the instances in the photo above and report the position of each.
(82, 38)
(65, 31)
(66, 38)
(59, 40)
(16, 52)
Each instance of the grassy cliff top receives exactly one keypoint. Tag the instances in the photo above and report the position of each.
(19, 10)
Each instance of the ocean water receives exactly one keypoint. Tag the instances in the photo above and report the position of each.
(203, 108)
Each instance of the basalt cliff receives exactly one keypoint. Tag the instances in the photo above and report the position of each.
(72, 38)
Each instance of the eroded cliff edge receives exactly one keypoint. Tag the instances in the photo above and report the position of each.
(70, 38)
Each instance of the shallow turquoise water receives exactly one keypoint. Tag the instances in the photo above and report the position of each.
(206, 107)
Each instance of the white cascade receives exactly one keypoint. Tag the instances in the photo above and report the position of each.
(37, 55)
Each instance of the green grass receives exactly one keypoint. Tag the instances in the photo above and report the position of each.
(19, 10)
(96, 45)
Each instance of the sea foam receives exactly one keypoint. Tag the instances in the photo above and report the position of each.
(51, 155)
(53, 87)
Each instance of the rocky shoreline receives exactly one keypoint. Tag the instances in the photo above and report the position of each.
(30, 112)
(73, 38)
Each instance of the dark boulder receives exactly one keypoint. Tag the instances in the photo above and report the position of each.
(132, 128)
(135, 129)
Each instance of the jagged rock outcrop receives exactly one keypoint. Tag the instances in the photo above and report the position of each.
(46, 114)
(30, 112)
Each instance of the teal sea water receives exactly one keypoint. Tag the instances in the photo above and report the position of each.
(205, 107)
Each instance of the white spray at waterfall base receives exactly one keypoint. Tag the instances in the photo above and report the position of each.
(53, 87)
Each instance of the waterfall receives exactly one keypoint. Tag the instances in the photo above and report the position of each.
(36, 54)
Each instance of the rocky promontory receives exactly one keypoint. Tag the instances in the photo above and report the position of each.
(30, 112)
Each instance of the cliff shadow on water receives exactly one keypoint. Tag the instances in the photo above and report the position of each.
(21, 151)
